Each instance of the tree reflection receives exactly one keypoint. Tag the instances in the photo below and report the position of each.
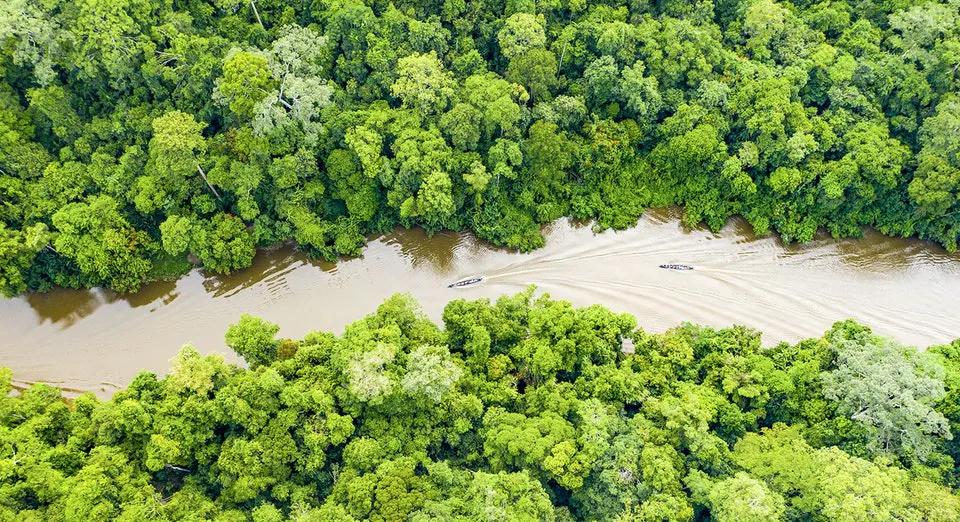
(270, 264)
(435, 253)
(876, 251)
(164, 291)
(445, 252)
(65, 306)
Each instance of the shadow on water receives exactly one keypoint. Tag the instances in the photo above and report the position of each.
(435, 253)
(663, 215)
(871, 251)
(268, 264)
(876, 251)
(63, 306)
(163, 291)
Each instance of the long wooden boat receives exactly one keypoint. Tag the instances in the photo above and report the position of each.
(465, 282)
(676, 267)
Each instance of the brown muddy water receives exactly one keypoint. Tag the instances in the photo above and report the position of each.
(97, 340)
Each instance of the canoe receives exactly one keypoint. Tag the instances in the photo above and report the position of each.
(677, 267)
(465, 282)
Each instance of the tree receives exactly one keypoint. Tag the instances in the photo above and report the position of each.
(34, 36)
(499, 104)
(545, 442)
(296, 62)
(892, 390)
(693, 142)
(367, 144)
(246, 81)
(102, 243)
(105, 37)
(536, 70)
(460, 124)
(367, 378)
(421, 187)
(548, 156)
(423, 84)
(494, 496)
(477, 178)
(949, 357)
(190, 67)
(222, 243)
(430, 373)
(434, 201)
(280, 90)
(928, 35)
(934, 188)
(19, 155)
(298, 102)
(827, 482)
(679, 53)
(521, 32)
(640, 93)
(176, 149)
(744, 498)
(253, 339)
(18, 248)
(602, 79)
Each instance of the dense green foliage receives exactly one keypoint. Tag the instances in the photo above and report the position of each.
(525, 409)
(133, 132)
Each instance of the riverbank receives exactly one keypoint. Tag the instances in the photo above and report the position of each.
(527, 397)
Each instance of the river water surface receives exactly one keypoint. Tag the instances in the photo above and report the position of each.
(97, 340)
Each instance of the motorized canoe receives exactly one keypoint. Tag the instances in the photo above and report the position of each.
(676, 267)
(465, 282)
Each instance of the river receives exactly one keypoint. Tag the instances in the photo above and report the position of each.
(97, 340)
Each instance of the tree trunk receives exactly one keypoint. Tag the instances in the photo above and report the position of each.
(253, 4)
(204, 176)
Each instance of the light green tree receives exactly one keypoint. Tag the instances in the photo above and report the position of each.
(254, 340)
(423, 84)
(891, 389)
(743, 498)
(521, 32)
(430, 373)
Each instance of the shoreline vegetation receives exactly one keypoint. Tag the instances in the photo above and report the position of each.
(171, 268)
(135, 134)
(525, 408)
